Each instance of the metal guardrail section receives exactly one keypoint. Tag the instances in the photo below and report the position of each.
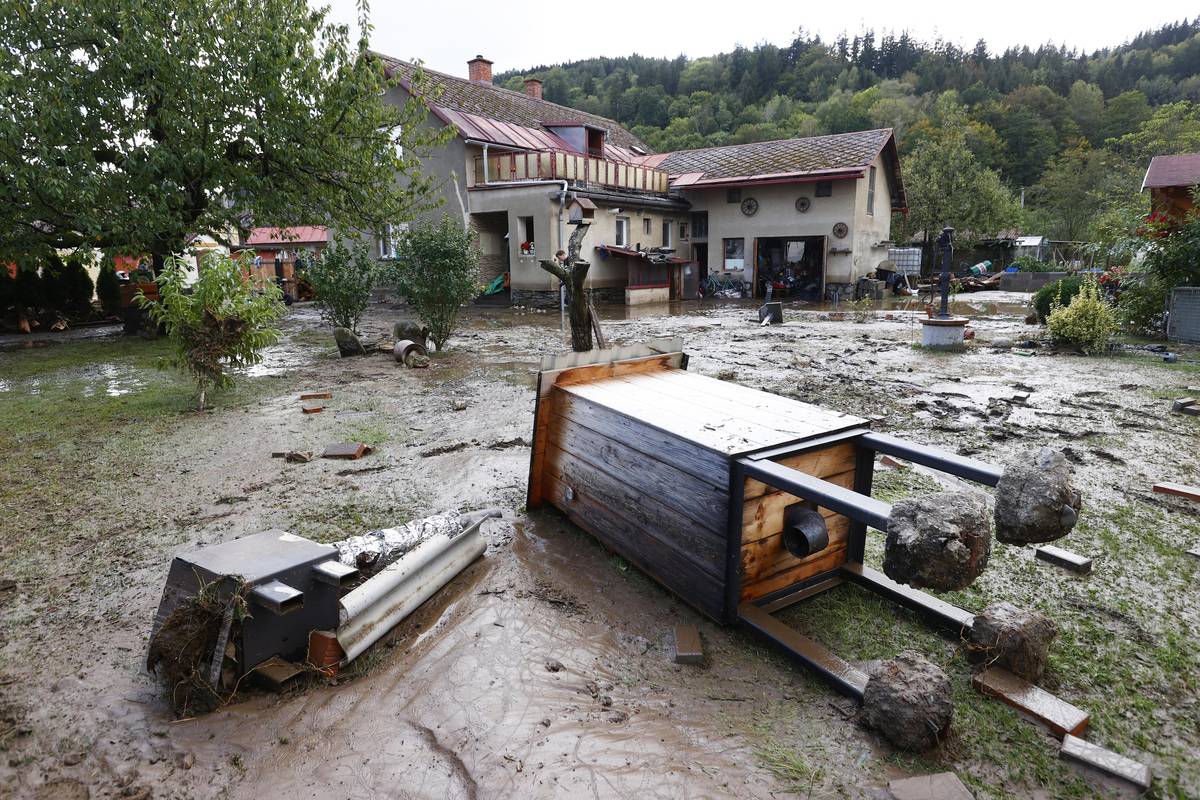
(558, 165)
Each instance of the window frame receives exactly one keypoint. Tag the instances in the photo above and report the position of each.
(621, 237)
(823, 189)
(733, 195)
(668, 233)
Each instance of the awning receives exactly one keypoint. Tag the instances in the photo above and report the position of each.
(643, 254)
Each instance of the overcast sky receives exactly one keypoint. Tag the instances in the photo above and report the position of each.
(518, 35)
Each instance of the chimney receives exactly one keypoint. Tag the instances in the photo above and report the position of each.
(533, 88)
(479, 69)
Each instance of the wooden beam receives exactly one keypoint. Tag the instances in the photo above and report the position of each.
(1179, 490)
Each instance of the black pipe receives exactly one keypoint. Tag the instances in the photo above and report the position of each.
(825, 494)
(963, 467)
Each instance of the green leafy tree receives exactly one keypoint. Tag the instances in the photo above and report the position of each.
(437, 270)
(108, 288)
(1171, 257)
(224, 322)
(1171, 129)
(1077, 188)
(342, 279)
(8, 289)
(28, 295)
(132, 124)
(946, 185)
(1085, 107)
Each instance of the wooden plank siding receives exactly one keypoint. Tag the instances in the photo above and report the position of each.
(766, 565)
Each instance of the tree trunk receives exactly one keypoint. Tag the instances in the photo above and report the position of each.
(579, 308)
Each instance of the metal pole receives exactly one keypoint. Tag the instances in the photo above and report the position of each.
(945, 242)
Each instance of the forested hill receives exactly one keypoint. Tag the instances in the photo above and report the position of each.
(1022, 111)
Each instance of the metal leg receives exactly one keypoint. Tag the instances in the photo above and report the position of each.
(939, 612)
(840, 674)
(961, 466)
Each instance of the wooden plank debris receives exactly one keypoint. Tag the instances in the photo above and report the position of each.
(939, 786)
(688, 649)
(349, 450)
(1064, 558)
(1179, 490)
(1056, 714)
(1097, 757)
(317, 396)
(313, 409)
(1182, 403)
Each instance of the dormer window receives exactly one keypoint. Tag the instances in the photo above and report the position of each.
(595, 142)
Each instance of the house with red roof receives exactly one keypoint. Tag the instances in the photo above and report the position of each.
(277, 249)
(809, 216)
(1171, 180)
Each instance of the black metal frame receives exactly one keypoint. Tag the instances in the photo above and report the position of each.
(864, 511)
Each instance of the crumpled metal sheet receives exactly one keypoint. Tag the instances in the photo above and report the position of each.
(374, 550)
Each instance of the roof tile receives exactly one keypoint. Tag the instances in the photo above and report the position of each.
(840, 152)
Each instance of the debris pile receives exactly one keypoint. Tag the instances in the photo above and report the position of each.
(1013, 638)
(1036, 501)
(941, 541)
(374, 550)
(907, 699)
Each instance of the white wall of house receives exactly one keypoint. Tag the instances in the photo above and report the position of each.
(777, 216)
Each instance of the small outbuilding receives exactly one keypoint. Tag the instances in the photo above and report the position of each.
(1170, 180)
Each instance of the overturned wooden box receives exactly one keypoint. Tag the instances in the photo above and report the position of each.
(739, 501)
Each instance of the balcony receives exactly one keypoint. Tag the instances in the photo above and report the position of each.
(557, 165)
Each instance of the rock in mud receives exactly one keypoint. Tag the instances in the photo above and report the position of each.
(939, 541)
(1035, 500)
(411, 331)
(907, 699)
(1013, 638)
(348, 344)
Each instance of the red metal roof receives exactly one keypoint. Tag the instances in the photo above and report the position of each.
(1168, 171)
(283, 237)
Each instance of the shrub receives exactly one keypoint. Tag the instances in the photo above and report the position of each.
(342, 280)
(1089, 322)
(437, 270)
(27, 290)
(108, 288)
(861, 308)
(54, 283)
(8, 289)
(1172, 258)
(1031, 264)
(222, 323)
(77, 285)
(1063, 290)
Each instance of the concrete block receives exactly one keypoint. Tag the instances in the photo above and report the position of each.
(1034, 701)
(1183, 402)
(1097, 757)
(941, 786)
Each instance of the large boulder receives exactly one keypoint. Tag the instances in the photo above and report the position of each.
(1013, 638)
(908, 700)
(1035, 500)
(348, 344)
(939, 541)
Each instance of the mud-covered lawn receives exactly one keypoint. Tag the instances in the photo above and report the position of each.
(108, 473)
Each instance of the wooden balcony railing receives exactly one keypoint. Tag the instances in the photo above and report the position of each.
(557, 165)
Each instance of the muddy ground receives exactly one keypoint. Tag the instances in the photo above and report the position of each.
(108, 474)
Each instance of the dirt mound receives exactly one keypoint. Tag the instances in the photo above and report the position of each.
(907, 699)
(181, 650)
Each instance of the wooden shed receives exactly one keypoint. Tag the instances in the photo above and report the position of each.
(648, 458)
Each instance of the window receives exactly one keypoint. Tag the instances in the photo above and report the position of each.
(525, 226)
(700, 225)
(824, 189)
(871, 192)
(683, 230)
(668, 226)
(733, 195)
(647, 226)
(622, 239)
(385, 242)
(735, 254)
